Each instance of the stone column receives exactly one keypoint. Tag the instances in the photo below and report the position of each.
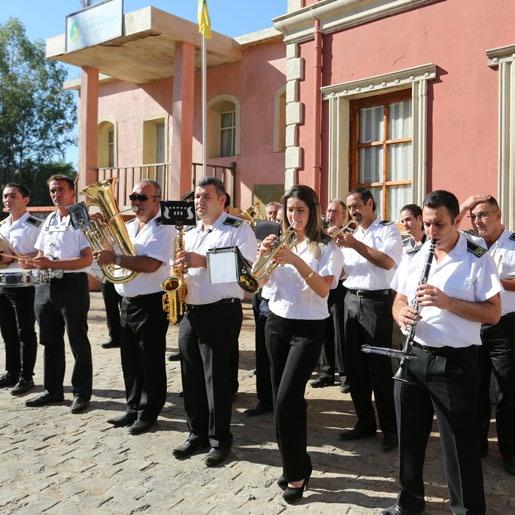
(181, 127)
(88, 121)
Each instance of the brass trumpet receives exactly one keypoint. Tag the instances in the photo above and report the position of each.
(349, 228)
(250, 214)
(265, 265)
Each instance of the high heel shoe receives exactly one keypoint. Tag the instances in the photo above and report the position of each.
(292, 495)
(282, 483)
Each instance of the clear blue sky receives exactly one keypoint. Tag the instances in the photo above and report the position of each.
(45, 18)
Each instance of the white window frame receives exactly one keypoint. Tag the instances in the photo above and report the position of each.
(339, 97)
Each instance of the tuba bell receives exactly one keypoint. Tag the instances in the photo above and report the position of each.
(107, 230)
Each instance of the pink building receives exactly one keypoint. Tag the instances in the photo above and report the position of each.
(402, 96)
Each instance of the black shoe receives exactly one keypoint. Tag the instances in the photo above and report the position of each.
(389, 442)
(217, 455)
(141, 426)
(260, 409)
(189, 447)
(44, 399)
(127, 419)
(357, 433)
(509, 466)
(292, 495)
(7, 380)
(321, 382)
(174, 356)
(397, 510)
(23, 386)
(79, 404)
(282, 483)
(110, 345)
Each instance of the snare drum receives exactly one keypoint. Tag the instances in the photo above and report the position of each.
(18, 277)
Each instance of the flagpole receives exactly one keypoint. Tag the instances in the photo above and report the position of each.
(204, 107)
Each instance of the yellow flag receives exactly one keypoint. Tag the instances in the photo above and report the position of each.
(204, 23)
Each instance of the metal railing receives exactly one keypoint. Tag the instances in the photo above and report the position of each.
(128, 176)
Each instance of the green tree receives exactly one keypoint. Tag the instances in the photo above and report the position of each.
(37, 115)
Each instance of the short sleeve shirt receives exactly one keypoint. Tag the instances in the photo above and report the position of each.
(361, 273)
(290, 295)
(153, 240)
(21, 234)
(461, 275)
(227, 231)
(59, 240)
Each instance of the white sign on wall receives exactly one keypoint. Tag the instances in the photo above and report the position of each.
(94, 25)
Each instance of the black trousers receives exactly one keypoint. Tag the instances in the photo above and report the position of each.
(263, 379)
(446, 384)
(59, 304)
(294, 349)
(207, 337)
(332, 357)
(112, 302)
(142, 348)
(498, 354)
(369, 321)
(17, 320)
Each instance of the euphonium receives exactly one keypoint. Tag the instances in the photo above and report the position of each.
(109, 230)
(174, 287)
(250, 214)
(265, 265)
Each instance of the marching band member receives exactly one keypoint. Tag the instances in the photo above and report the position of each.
(331, 358)
(411, 220)
(370, 256)
(271, 210)
(462, 291)
(143, 321)
(296, 326)
(63, 302)
(498, 349)
(17, 317)
(208, 333)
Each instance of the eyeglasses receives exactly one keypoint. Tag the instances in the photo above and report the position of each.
(141, 197)
(482, 214)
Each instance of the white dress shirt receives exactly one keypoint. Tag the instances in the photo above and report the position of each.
(503, 254)
(361, 273)
(153, 240)
(461, 275)
(21, 234)
(222, 234)
(59, 240)
(290, 295)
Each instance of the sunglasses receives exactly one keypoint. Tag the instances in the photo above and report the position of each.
(141, 197)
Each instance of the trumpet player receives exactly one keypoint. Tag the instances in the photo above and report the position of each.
(296, 326)
(208, 333)
(63, 302)
(17, 317)
(461, 292)
(370, 256)
(143, 322)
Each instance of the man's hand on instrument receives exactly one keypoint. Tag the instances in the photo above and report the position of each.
(346, 240)
(406, 316)
(41, 263)
(190, 260)
(428, 295)
(104, 257)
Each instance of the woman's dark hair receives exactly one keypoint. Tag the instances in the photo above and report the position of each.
(413, 209)
(442, 198)
(314, 231)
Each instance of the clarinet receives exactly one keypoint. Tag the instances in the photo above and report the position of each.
(406, 352)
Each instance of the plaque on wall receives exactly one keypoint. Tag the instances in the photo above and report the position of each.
(265, 193)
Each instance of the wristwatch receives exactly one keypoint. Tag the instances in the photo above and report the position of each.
(117, 260)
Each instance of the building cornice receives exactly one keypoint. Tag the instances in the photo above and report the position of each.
(500, 54)
(335, 15)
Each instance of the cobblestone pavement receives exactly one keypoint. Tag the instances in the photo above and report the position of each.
(56, 462)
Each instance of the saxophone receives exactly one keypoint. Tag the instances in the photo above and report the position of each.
(174, 286)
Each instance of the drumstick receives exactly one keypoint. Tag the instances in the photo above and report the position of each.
(16, 258)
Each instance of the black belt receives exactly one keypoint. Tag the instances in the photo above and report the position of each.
(194, 307)
(370, 294)
(441, 351)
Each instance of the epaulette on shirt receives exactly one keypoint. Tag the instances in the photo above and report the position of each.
(36, 222)
(385, 222)
(471, 232)
(476, 249)
(512, 237)
(234, 222)
(413, 250)
(159, 221)
(406, 239)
